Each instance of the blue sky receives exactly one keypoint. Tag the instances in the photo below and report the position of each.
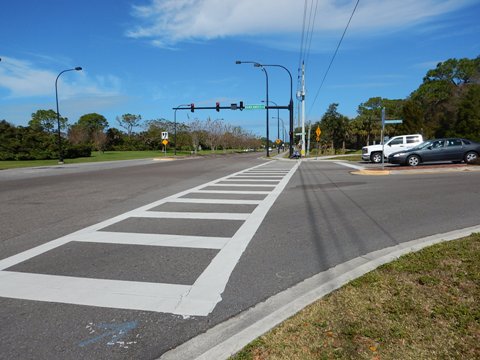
(147, 56)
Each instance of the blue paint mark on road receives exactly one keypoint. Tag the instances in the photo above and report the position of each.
(114, 332)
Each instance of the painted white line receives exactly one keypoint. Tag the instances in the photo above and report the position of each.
(252, 180)
(229, 337)
(278, 173)
(116, 294)
(199, 299)
(211, 283)
(258, 176)
(216, 201)
(193, 215)
(245, 185)
(230, 192)
(265, 170)
(38, 250)
(28, 254)
(357, 167)
(183, 241)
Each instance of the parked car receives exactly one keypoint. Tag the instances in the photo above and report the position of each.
(373, 153)
(451, 149)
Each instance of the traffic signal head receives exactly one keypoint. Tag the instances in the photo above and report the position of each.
(241, 105)
(192, 107)
(217, 106)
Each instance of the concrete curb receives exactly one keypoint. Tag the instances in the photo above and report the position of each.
(371, 172)
(229, 337)
(410, 171)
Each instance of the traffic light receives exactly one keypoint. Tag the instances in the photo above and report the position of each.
(192, 107)
(241, 105)
(217, 106)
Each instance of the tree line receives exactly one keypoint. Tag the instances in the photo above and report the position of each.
(39, 140)
(446, 104)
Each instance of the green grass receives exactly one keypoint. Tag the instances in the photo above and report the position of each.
(104, 156)
(425, 305)
(350, 158)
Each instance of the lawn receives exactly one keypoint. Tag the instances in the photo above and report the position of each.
(426, 305)
(101, 156)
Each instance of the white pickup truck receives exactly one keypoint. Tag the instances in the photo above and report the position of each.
(373, 153)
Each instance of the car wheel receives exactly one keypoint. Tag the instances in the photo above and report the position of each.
(376, 157)
(471, 156)
(413, 160)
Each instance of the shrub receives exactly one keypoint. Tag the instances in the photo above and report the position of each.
(76, 151)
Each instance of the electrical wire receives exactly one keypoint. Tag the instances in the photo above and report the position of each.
(307, 35)
(311, 31)
(334, 55)
(303, 34)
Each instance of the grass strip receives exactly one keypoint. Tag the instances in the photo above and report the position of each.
(98, 156)
(425, 305)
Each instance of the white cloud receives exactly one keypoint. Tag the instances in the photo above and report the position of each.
(24, 79)
(167, 22)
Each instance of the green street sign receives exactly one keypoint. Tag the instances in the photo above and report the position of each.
(397, 121)
(255, 107)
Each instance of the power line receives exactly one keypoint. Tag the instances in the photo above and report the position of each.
(307, 33)
(335, 54)
(303, 34)
(311, 30)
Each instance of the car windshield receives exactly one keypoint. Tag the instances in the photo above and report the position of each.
(422, 145)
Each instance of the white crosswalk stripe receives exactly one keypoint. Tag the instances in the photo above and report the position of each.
(198, 299)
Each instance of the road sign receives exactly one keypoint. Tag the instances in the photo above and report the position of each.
(255, 107)
(164, 135)
(393, 121)
(165, 142)
(318, 132)
(278, 141)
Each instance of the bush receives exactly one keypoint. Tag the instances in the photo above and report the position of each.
(76, 151)
(5, 155)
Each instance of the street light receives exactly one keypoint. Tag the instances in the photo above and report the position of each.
(290, 105)
(60, 154)
(256, 64)
(186, 106)
(283, 129)
(278, 123)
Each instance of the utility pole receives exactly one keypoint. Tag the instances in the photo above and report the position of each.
(303, 109)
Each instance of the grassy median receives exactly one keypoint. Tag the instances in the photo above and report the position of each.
(425, 305)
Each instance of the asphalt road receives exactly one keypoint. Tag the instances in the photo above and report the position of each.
(323, 217)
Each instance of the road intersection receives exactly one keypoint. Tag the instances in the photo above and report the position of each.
(183, 267)
(261, 185)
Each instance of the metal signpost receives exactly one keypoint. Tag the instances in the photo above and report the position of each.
(388, 122)
(318, 132)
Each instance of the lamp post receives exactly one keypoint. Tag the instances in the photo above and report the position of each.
(290, 104)
(283, 129)
(186, 106)
(278, 123)
(60, 153)
(256, 64)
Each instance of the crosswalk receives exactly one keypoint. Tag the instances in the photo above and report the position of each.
(221, 216)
